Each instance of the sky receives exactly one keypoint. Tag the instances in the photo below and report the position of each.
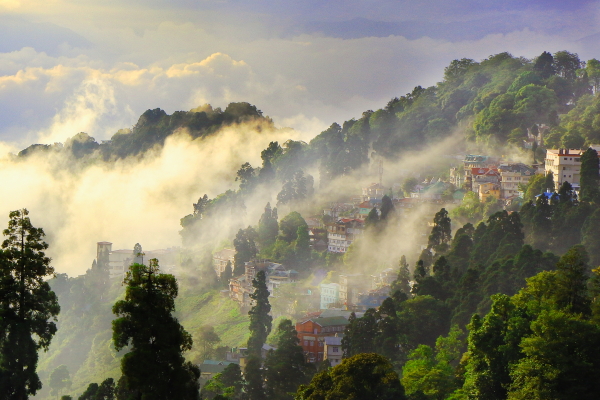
(69, 66)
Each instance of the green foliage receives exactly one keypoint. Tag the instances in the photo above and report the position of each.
(253, 374)
(27, 306)
(441, 233)
(402, 282)
(285, 368)
(260, 320)
(296, 189)
(268, 228)
(207, 339)
(104, 391)
(289, 226)
(387, 207)
(245, 249)
(430, 374)
(590, 178)
(364, 376)
(60, 379)
(154, 367)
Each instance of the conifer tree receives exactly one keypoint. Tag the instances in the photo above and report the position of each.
(441, 233)
(245, 249)
(285, 368)
(154, 367)
(590, 178)
(372, 218)
(402, 282)
(27, 306)
(268, 227)
(260, 327)
(260, 320)
(590, 234)
(387, 207)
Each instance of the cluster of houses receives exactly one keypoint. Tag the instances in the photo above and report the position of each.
(320, 333)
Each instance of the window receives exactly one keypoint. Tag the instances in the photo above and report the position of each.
(565, 158)
(577, 160)
(306, 342)
(335, 350)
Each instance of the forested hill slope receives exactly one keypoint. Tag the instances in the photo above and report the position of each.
(151, 130)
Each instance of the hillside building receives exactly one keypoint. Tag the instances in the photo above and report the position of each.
(221, 258)
(342, 233)
(312, 333)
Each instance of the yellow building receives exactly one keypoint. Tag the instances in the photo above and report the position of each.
(565, 164)
(489, 189)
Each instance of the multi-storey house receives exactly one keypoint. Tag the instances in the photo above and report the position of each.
(342, 233)
(312, 333)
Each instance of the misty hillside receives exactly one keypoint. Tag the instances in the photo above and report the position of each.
(447, 271)
(151, 130)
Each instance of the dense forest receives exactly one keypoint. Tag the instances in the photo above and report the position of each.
(492, 302)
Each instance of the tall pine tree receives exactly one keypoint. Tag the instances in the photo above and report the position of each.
(154, 367)
(27, 306)
(260, 327)
(590, 178)
(285, 368)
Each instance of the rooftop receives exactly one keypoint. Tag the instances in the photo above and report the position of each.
(333, 341)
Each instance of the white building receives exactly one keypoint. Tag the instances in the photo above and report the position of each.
(330, 295)
(118, 261)
(341, 234)
(221, 258)
(333, 350)
(374, 191)
(511, 176)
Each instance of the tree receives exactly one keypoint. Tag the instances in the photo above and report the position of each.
(285, 368)
(364, 376)
(154, 367)
(27, 305)
(289, 226)
(544, 65)
(60, 379)
(104, 391)
(590, 233)
(227, 274)
(268, 228)
(590, 178)
(441, 233)
(402, 282)
(207, 339)
(245, 249)
(359, 336)
(302, 246)
(592, 68)
(567, 64)
(372, 218)
(231, 377)
(260, 327)
(409, 185)
(387, 207)
(260, 320)
(253, 374)
(548, 370)
(548, 183)
(247, 177)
